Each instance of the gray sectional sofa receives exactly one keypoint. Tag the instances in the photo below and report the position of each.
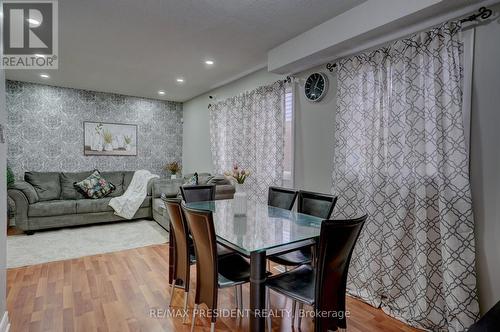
(49, 200)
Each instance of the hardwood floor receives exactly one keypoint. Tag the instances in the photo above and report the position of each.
(117, 291)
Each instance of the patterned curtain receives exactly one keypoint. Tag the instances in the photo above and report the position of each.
(248, 130)
(400, 155)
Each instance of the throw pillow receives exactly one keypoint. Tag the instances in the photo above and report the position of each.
(191, 181)
(95, 186)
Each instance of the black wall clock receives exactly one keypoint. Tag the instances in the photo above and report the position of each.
(316, 87)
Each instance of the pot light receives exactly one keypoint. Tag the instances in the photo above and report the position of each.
(161, 93)
(44, 76)
(209, 62)
(180, 80)
(34, 22)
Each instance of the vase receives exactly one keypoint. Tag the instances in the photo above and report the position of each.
(108, 147)
(127, 147)
(173, 176)
(240, 201)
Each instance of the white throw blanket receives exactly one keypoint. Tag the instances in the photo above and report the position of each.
(127, 204)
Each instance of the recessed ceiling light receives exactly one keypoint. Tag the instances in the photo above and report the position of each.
(209, 62)
(180, 80)
(161, 93)
(44, 76)
(33, 21)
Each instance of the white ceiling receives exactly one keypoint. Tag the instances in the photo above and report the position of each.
(137, 47)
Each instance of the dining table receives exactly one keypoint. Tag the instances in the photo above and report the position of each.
(258, 232)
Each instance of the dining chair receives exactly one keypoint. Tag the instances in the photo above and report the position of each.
(323, 287)
(198, 193)
(282, 198)
(314, 204)
(183, 255)
(212, 272)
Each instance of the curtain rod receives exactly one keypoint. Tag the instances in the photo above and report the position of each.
(482, 13)
(287, 79)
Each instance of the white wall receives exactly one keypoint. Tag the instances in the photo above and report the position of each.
(314, 125)
(485, 160)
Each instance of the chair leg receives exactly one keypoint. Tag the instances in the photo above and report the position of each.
(268, 307)
(294, 304)
(240, 296)
(301, 307)
(172, 292)
(236, 297)
(195, 309)
(212, 327)
(185, 306)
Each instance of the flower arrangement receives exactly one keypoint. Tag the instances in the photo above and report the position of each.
(108, 137)
(240, 175)
(173, 167)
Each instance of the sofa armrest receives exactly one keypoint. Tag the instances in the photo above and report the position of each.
(27, 189)
(168, 187)
(21, 207)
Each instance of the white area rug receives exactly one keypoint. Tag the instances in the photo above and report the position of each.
(61, 244)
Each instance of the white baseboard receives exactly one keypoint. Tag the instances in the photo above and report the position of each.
(4, 323)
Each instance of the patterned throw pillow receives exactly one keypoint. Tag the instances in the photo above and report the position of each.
(191, 181)
(95, 186)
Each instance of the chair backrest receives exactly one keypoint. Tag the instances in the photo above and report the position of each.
(281, 197)
(201, 224)
(316, 204)
(336, 243)
(180, 234)
(198, 193)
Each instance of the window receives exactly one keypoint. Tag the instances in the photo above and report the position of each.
(289, 138)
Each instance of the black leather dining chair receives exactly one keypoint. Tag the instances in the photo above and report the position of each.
(198, 193)
(212, 272)
(323, 287)
(282, 198)
(314, 204)
(183, 253)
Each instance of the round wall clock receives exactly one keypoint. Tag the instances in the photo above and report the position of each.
(316, 87)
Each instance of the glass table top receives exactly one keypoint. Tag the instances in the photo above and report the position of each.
(262, 227)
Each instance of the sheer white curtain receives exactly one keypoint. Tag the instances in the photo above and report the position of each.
(400, 154)
(248, 130)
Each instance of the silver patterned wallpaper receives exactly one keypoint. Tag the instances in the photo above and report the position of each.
(45, 129)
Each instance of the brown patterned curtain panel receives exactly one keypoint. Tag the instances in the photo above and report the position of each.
(400, 154)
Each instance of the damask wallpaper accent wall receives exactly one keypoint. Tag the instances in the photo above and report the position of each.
(45, 129)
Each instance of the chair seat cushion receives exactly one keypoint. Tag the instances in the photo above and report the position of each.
(297, 284)
(233, 269)
(297, 257)
(52, 208)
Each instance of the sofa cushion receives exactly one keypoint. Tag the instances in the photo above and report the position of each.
(46, 184)
(95, 186)
(68, 190)
(169, 187)
(93, 205)
(116, 178)
(52, 208)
